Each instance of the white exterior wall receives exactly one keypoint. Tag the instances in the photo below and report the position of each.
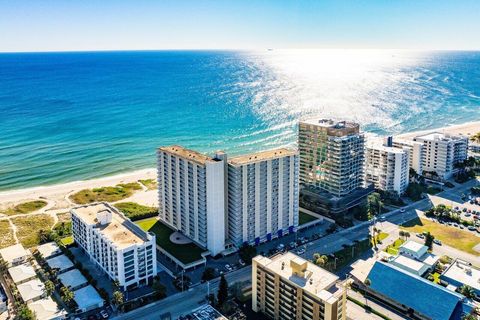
(215, 206)
(415, 150)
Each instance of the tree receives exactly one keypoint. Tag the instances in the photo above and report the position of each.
(367, 283)
(467, 291)
(208, 274)
(3, 266)
(320, 260)
(66, 294)
(24, 313)
(374, 203)
(401, 233)
(222, 294)
(247, 252)
(49, 287)
(406, 234)
(475, 137)
(117, 298)
(429, 240)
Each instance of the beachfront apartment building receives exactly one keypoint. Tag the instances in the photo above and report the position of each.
(331, 155)
(222, 203)
(192, 195)
(125, 252)
(415, 152)
(387, 167)
(441, 152)
(262, 196)
(288, 287)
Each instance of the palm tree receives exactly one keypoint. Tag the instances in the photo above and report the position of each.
(67, 295)
(467, 291)
(117, 298)
(475, 137)
(367, 283)
(49, 287)
(401, 233)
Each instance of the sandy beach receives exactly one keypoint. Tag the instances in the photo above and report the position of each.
(57, 195)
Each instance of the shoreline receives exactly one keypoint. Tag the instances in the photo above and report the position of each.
(58, 192)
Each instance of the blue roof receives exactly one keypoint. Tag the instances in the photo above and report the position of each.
(425, 297)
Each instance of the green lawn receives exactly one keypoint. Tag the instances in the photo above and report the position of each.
(135, 211)
(110, 194)
(67, 240)
(26, 207)
(6, 234)
(186, 253)
(382, 236)
(305, 218)
(449, 235)
(393, 248)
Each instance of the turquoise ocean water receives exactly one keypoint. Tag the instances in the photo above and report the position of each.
(75, 116)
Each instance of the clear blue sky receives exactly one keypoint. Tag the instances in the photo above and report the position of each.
(49, 25)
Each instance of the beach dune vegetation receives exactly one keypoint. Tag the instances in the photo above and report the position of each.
(109, 194)
(25, 207)
(29, 227)
(135, 211)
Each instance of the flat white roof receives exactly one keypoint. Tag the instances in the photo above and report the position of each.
(48, 249)
(463, 273)
(9, 254)
(31, 289)
(409, 263)
(21, 273)
(413, 246)
(60, 262)
(72, 278)
(430, 259)
(46, 309)
(87, 297)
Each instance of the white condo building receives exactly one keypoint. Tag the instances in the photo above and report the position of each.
(415, 153)
(119, 247)
(441, 152)
(262, 196)
(219, 203)
(387, 167)
(192, 195)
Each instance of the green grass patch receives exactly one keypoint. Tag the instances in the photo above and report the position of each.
(305, 218)
(26, 207)
(150, 184)
(436, 277)
(28, 228)
(6, 234)
(393, 248)
(449, 235)
(382, 236)
(135, 211)
(67, 240)
(109, 194)
(186, 253)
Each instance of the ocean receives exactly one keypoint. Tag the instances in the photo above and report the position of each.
(81, 115)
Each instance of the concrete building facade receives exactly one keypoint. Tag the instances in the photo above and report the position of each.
(387, 167)
(262, 196)
(119, 247)
(415, 153)
(331, 155)
(289, 287)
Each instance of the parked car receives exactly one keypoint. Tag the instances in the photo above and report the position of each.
(301, 251)
(228, 267)
(437, 242)
(382, 219)
(468, 214)
(241, 262)
(280, 247)
(471, 228)
(421, 236)
(402, 210)
(104, 314)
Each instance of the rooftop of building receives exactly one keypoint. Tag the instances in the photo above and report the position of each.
(9, 254)
(301, 272)
(262, 156)
(206, 312)
(414, 246)
(438, 136)
(61, 263)
(72, 278)
(49, 249)
(379, 145)
(87, 297)
(31, 289)
(21, 273)
(188, 154)
(334, 127)
(121, 231)
(413, 291)
(46, 309)
(464, 273)
(409, 263)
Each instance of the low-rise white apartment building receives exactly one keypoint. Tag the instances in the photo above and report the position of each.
(386, 167)
(288, 287)
(192, 195)
(441, 152)
(262, 196)
(119, 247)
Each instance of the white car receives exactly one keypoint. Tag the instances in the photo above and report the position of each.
(402, 210)
(228, 267)
(301, 251)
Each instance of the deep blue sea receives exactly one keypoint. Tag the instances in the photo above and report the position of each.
(75, 116)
